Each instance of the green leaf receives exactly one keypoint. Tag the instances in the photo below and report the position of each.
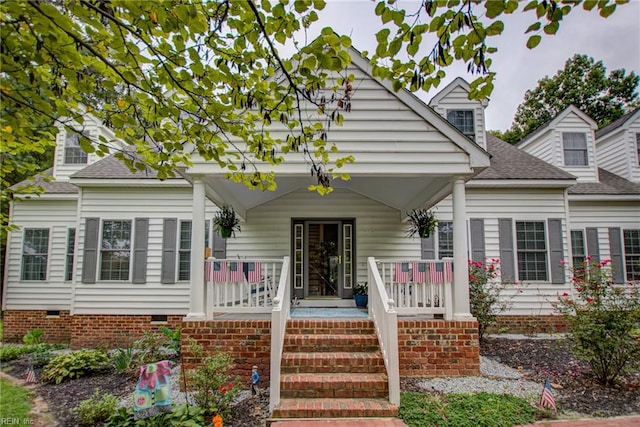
(383, 35)
(551, 28)
(495, 28)
(533, 27)
(606, 11)
(494, 8)
(533, 41)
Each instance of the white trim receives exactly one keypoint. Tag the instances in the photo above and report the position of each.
(74, 280)
(5, 279)
(521, 183)
(554, 122)
(625, 126)
(604, 197)
(128, 182)
(457, 82)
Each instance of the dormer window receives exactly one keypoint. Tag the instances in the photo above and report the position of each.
(463, 121)
(575, 148)
(638, 147)
(73, 154)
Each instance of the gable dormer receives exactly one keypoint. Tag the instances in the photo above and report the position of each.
(618, 146)
(465, 114)
(567, 142)
(69, 157)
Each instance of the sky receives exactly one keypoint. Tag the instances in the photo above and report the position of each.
(614, 40)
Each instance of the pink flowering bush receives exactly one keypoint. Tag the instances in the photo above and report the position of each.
(601, 317)
(485, 293)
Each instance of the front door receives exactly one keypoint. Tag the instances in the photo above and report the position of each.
(323, 258)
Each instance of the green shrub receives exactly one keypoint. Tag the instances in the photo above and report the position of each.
(11, 351)
(173, 338)
(34, 336)
(73, 365)
(465, 410)
(123, 359)
(214, 390)
(148, 348)
(97, 409)
(601, 318)
(181, 416)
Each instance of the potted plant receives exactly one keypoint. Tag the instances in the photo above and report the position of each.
(421, 222)
(226, 222)
(360, 294)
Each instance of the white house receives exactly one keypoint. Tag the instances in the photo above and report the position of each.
(105, 253)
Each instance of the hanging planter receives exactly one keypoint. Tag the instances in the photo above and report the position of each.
(226, 223)
(421, 222)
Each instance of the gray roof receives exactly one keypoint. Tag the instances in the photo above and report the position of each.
(615, 124)
(113, 168)
(609, 184)
(509, 162)
(52, 187)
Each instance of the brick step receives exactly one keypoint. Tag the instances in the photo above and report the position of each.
(330, 326)
(334, 386)
(334, 408)
(330, 343)
(333, 362)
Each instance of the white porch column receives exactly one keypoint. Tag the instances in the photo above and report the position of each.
(461, 307)
(196, 292)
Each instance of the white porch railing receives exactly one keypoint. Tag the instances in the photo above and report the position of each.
(279, 316)
(242, 285)
(419, 286)
(382, 311)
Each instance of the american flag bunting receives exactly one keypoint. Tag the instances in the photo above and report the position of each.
(419, 272)
(402, 272)
(253, 271)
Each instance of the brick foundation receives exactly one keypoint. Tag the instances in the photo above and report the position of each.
(529, 324)
(111, 331)
(438, 348)
(247, 341)
(56, 329)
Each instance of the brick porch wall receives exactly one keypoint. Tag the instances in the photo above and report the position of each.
(111, 331)
(438, 348)
(530, 324)
(247, 341)
(56, 329)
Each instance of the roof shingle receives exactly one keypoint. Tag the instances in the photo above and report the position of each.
(609, 184)
(50, 187)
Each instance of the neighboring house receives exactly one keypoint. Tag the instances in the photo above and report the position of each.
(105, 254)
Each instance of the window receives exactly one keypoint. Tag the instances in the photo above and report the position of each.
(463, 121)
(532, 250)
(632, 254)
(71, 246)
(73, 154)
(575, 148)
(578, 249)
(638, 147)
(184, 251)
(35, 254)
(115, 252)
(445, 239)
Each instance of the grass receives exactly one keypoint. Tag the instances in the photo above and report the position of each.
(15, 402)
(465, 410)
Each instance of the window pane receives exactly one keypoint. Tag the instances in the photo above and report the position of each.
(445, 239)
(632, 254)
(532, 253)
(184, 251)
(35, 253)
(463, 121)
(575, 148)
(71, 244)
(73, 154)
(115, 250)
(578, 249)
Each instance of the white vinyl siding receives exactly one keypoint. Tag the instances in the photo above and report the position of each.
(573, 124)
(575, 149)
(631, 239)
(35, 254)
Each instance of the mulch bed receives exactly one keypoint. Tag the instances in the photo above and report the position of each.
(537, 359)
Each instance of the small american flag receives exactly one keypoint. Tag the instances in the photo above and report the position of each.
(253, 271)
(219, 271)
(436, 272)
(402, 272)
(30, 375)
(235, 272)
(547, 400)
(448, 272)
(419, 272)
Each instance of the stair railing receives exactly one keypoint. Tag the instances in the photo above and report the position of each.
(382, 311)
(279, 317)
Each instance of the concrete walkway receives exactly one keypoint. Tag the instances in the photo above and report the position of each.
(630, 421)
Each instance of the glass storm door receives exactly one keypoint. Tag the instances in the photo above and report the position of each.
(323, 254)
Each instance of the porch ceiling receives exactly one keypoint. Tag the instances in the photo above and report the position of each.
(399, 192)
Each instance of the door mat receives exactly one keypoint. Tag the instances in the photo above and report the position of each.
(320, 312)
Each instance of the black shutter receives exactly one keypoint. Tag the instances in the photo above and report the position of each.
(140, 243)
(476, 226)
(507, 256)
(593, 247)
(90, 250)
(617, 258)
(557, 250)
(169, 240)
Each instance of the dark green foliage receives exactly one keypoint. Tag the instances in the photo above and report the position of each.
(123, 359)
(421, 222)
(226, 222)
(173, 338)
(11, 351)
(34, 336)
(181, 416)
(465, 410)
(96, 409)
(73, 365)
